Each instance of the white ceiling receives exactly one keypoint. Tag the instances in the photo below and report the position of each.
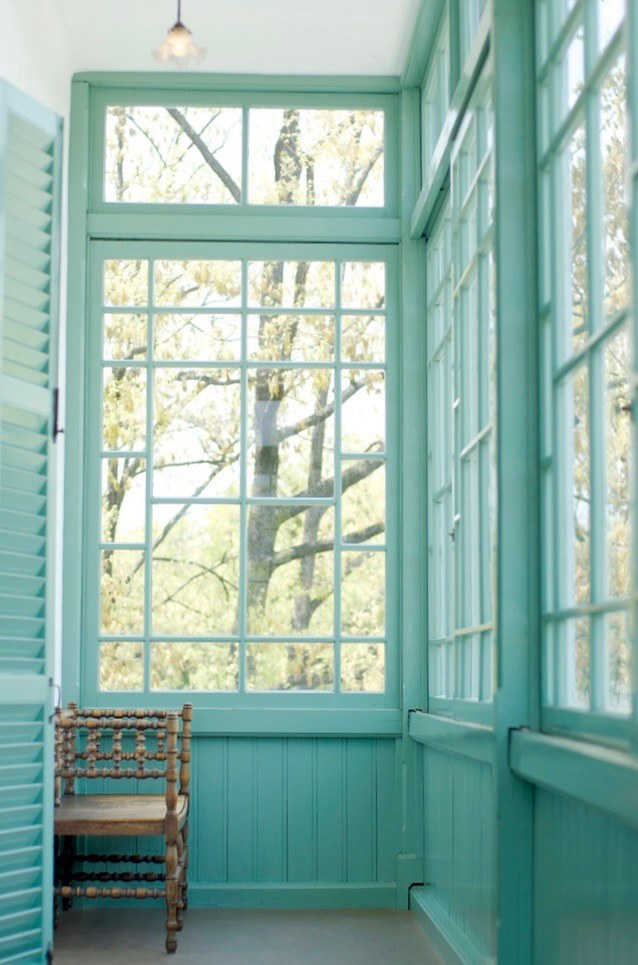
(246, 36)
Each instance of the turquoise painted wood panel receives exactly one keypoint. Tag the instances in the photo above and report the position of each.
(286, 822)
(29, 221)
(586, 887)
(313, 811)
(460, 845)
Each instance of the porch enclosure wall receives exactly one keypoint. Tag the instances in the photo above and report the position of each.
(297, 797)
(528, 848)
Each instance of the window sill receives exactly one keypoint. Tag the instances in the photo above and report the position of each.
(603, 778)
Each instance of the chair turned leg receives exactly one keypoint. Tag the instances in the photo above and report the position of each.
(180, 880)
(185, 869)
(66, 867)
(172, 896)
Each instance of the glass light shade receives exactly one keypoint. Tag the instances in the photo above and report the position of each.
(179, 48)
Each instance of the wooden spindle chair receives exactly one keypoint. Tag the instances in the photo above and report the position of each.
(119, 744)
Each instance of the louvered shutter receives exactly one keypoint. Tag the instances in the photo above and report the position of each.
(29, 187)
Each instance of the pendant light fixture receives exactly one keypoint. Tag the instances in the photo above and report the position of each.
(179, 48)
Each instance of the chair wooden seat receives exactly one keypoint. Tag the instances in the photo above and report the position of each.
(123, 746)
(110, 814)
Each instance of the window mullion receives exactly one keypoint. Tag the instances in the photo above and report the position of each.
(148, 584)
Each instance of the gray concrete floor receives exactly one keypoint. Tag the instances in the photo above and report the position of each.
(128, 936)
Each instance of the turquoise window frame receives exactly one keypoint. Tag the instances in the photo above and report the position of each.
(560, 361)
(101, 98)
(459, 255)
(100, 251)
(321, 232)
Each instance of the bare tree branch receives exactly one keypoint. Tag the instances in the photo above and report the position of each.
(325, 546)
(207, 154)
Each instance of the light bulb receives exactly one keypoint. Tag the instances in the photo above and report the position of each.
(179, 48)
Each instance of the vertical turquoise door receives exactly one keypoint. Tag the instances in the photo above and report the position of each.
(29, 196)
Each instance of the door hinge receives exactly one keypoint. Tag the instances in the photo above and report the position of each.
(57, 430)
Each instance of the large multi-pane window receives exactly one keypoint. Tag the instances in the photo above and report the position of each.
(240, 396)
(243, 455)
(584, 303)
(460, 339)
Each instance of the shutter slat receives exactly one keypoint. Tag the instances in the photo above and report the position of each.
(29, 297)
(25, 234)
(20, 188)
(20, 210)
(25, 335)
(26, 254)
(21, 500)
(27, 274)
(26, 315)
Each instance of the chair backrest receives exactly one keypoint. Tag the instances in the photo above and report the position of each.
(120, 744)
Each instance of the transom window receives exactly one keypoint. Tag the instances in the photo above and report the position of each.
(230, 155)
(242, 465)
(585, 298)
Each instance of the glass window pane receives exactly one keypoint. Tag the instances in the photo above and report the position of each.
(363, 667)
(201, 337)
(122, 665)
(196, 438)
(124, 409)
(290, 581)
(610, 16)
(126, 282)
(198, 284)
(363, 284)
(291, 432)
(363, 411)
(363, 501)
(122, 592)
(125, 336)
(363, 338)
(173, 154)
(577, 487)
(194, 666)
(195, 569)
(291, 338)
(619, 645)
(289, 666)
(316, 157)
(363, 594)
(576, 232)
(574, 67)
(617, 447)
(613, 146)
(574, 636)
(291, 284)
(123, 500)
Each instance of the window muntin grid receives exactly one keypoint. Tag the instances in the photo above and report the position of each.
(435, 94)
(224, 332)
(460, 347)
(584, 303)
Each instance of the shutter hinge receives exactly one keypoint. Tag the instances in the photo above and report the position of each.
(49, 955)
(57, 430)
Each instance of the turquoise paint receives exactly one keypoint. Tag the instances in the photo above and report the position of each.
(30, 161)
(586, 892)
(459, 846)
